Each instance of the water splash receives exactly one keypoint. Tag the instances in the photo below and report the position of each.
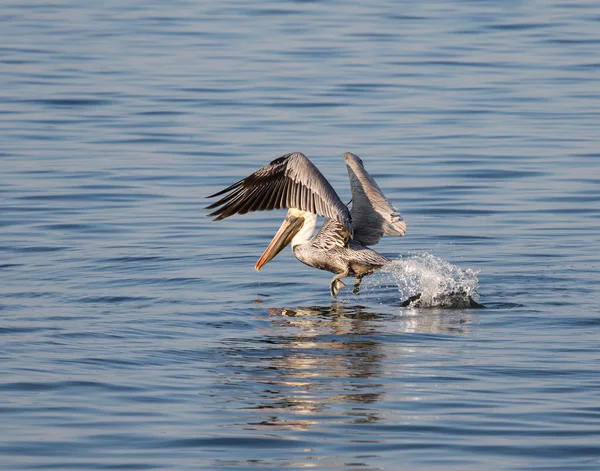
(424, 280)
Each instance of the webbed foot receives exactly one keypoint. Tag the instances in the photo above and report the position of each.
(336, 284)
(356, 289)
(335, 287)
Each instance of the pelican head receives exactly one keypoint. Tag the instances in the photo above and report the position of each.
(292, 224)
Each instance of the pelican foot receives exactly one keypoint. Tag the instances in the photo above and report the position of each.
(335, 287)
(337, 284)
(356, 289)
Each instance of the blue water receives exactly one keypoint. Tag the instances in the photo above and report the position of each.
(134, 331)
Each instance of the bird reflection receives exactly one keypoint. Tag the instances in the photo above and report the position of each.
(324, 364)
(325, 356)
(339, 319)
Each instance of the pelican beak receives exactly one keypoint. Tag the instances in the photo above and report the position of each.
(289, 228)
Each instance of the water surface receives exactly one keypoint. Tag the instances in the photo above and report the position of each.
(135, 333)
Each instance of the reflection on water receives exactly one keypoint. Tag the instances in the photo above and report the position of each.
(340, 319)
(324, 364)
(437, 321)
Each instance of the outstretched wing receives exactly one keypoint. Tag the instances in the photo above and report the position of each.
(291, 181)
(372, 214)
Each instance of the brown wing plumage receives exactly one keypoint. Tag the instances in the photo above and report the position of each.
(372, 214)
(291, 181)
(331, 235)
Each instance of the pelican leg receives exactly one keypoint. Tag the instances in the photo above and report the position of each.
(336, 283)
(356, 289)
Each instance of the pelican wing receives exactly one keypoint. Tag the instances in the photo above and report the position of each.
(331, 235)
(291, 181)
(372, 214)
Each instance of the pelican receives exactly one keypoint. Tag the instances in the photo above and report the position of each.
(294, 183)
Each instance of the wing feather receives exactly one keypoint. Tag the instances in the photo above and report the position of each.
(332, 234)
(272, 200)
(372, 214)
(254, 200)
(291, 181)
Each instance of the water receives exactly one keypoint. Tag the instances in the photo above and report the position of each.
(135, 333)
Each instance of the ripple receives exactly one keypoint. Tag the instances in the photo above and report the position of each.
(70, 102)
(60, 385)
(114, 299)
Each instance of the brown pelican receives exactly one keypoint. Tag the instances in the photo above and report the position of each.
(293, 182)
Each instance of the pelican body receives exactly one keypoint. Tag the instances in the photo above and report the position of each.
(341, 245)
